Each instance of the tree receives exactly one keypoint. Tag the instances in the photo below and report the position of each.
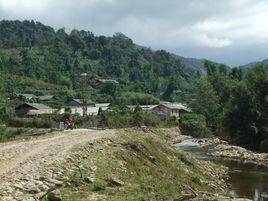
(169, 90)
(247, 117)
(236, 74)
(94, 54)
(241, 117)
(205, 101)
(75, 40)
(223, 69)
(210, 68)
(61, 33)
(103, 41)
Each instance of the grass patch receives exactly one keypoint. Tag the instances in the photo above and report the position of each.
(149, 168)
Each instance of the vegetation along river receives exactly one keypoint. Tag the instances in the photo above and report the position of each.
(246, 180)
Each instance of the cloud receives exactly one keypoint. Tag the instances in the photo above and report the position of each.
(217, 30)
(213, 42)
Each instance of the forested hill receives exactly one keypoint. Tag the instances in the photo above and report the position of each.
(34, 50)
(265, 62)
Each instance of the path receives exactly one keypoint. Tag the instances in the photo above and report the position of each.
(22, 163)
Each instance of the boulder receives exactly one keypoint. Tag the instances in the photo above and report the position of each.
(89, 180)
(115, 182)
(54, 195)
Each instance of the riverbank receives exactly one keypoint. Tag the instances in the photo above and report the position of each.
(245, 179)
(222, 149)
(125, 164)
(140, 164)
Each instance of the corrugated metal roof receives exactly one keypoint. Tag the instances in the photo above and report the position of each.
(143, 107)
(80, 101)
(45, 97)
(178, 106)
(37, 106)
(102, 104)
(29, 96)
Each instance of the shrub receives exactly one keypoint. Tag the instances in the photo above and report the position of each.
(194, 125)
(36, 122)
(99, 186)
(8, 133)
(264, 145)
(2, 130)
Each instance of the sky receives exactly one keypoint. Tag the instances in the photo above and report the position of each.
(233, 32)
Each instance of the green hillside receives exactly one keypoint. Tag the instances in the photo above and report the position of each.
(31, 49)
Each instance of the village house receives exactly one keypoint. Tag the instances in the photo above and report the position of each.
(170, 109)
(33, 109)
(76, 107)
(164, 108)
(79, 102)
(46, 98)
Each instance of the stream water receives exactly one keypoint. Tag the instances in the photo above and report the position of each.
(246, 180)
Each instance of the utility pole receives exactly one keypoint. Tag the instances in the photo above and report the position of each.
(84, 101)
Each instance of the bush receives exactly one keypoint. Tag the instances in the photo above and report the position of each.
(6, 112)
(151, 119)
(36, 122)
(124, 118)
(264, 145)
(194, 125)
(8, 133)
(99, 186)
(2, 130)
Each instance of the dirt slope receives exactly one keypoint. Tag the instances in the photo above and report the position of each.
(23, 165)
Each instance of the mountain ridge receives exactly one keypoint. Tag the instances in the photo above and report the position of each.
(265, 62)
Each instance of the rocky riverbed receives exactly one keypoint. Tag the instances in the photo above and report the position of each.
(222, 149)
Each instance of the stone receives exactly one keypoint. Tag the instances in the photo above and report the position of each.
(56, 182)
(54, 195)
(90, 179)
(152, 159)
(113, 181)
(9, 190)
(264, 195)
(93, 168)
(19, 186)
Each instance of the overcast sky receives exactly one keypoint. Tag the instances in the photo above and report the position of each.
(234, 32)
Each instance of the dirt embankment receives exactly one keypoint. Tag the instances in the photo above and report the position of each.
(127, 164)
(25, 171)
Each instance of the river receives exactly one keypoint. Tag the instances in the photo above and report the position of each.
(246, 180)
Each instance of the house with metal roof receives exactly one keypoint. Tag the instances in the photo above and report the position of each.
(171, 109)
(79, 102)
(33, 109)
(164, 108)
(76, 107)
(46, 98)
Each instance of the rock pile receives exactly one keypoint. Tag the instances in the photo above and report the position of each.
(239, 154)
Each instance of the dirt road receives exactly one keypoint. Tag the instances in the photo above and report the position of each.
(22, 164)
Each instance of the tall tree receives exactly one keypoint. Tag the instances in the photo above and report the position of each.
(205, 101)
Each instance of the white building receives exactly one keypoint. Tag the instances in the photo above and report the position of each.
(76, 107)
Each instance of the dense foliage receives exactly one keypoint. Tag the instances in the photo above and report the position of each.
(235, 104)
(31, 49)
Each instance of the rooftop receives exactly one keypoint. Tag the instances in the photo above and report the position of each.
(37, 106)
